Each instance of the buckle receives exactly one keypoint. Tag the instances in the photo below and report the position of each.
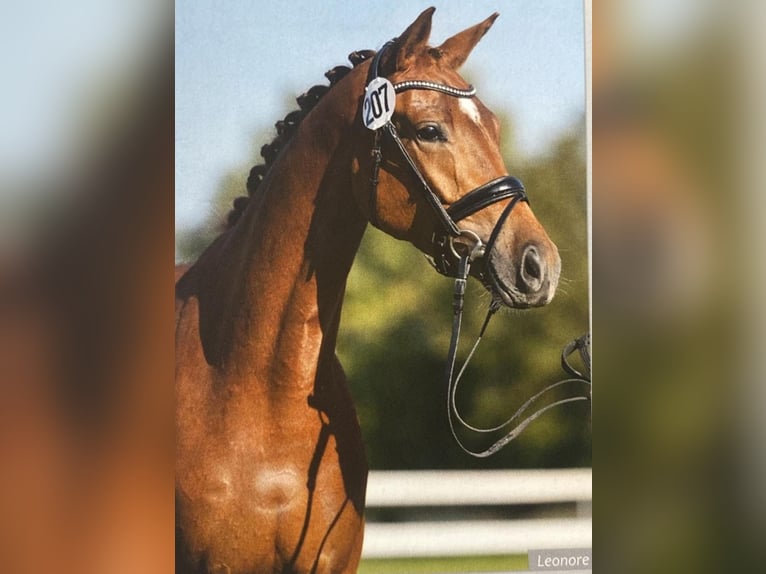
(449, 250)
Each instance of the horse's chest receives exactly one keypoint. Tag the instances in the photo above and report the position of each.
(243, 469)
(248, 499)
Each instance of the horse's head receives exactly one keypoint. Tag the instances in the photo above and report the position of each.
(442, 146)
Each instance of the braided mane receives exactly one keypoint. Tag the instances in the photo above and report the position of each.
(285, 130)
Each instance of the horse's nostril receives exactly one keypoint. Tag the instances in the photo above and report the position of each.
(532, 269)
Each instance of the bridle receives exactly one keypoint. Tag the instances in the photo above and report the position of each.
(454, 259)
(446, 253)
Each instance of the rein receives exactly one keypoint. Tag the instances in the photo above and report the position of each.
(581, 344)
(454, 259)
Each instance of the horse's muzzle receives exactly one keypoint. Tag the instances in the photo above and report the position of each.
(529, 281)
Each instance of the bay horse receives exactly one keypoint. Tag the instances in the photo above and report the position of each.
(270, 469)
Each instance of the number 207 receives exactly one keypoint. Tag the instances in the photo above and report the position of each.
(373, 107)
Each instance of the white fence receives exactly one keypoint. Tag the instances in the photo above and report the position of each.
(466, 537)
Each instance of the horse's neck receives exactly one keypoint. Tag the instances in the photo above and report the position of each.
(271, 290)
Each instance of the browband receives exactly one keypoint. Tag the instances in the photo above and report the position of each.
(425, 85)
(416, 84)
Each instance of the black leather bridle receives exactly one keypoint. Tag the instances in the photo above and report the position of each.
(454, 259)
(446, 257)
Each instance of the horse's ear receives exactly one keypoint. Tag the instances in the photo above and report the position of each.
(456, 49)
(415, 36)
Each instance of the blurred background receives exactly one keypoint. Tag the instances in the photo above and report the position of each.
(677, 120)
(86, 250)
(86, 149)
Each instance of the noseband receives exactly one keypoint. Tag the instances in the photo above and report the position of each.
(454, 258)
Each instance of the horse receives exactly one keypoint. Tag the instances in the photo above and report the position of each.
(270, 464)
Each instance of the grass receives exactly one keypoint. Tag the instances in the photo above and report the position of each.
(443, 565)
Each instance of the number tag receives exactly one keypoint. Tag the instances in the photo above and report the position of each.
(379, 103)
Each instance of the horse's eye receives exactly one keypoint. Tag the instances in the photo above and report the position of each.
(430, 133)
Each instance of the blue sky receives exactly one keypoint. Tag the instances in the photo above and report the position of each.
(238, 61)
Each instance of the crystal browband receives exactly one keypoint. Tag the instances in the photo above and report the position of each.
(425, 85)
